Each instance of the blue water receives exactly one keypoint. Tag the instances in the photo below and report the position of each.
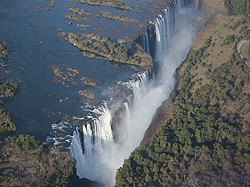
(33, 48)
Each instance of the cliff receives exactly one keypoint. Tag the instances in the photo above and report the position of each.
(206, 141)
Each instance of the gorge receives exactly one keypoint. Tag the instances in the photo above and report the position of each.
(97, 153)
(123, 124)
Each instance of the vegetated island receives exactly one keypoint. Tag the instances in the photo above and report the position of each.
(206, 142)
(75, 17)
(7, 90)
(6, 125)
(94, 46)
(3, 50)
(118, 18)
(78, 11)
(81, 1)
(112, 3)
(70, 77)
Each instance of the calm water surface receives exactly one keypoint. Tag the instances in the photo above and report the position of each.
(34, 47)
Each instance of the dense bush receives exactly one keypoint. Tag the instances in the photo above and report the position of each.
(3, 50)
(113, 3)
(6, 125)
(53, 166)
(8, 89)
(196, 129)
(113, 51)
(238, 7)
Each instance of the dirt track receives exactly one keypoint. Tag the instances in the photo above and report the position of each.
(239, 45)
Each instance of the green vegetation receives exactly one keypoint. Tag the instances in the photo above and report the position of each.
(7, 90)
(3, 50)
(82, 25)
(237, 7)
(70, 76)
(245, 32)
(87, 93)
(245, 51)
(111, 16)
(103, 47)
(244, 29)
(52, 3)
(208, 134)
(88, 81)
(6, 125)
(78, 11)
(113, 3)
(26, 162)
(81, 1)
(75, 17)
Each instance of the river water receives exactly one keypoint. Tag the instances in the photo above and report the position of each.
(34, 47)
(103, 145)
(51, 111)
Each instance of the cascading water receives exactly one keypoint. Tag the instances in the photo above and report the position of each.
(145, 41)
(99, 155)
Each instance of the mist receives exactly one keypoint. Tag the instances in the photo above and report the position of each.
(102, 154)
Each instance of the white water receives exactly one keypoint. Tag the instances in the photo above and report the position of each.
(102, 155)
(145, 41)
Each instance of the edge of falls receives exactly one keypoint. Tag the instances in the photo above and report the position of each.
(99, 155)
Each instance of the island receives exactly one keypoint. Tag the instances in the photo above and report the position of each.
(3, 50)
(7, 90)
(95, 46)
(75, 17)
(112, 3)
(118, 18)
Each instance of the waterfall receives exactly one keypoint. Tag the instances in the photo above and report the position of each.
(103, 155)
(128, 117)
(165, 26)
(145, 41)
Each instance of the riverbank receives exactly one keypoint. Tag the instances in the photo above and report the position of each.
(27, 162)
(24, 161)
(3, 50)
(219, 26)
(206, 142)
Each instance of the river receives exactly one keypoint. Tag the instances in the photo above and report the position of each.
(34, 47)
(111, 126)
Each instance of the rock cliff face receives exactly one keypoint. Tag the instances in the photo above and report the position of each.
(151, 36)
(210, 8)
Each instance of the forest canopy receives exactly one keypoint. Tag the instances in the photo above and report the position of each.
(206, 142)
(238, 7)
